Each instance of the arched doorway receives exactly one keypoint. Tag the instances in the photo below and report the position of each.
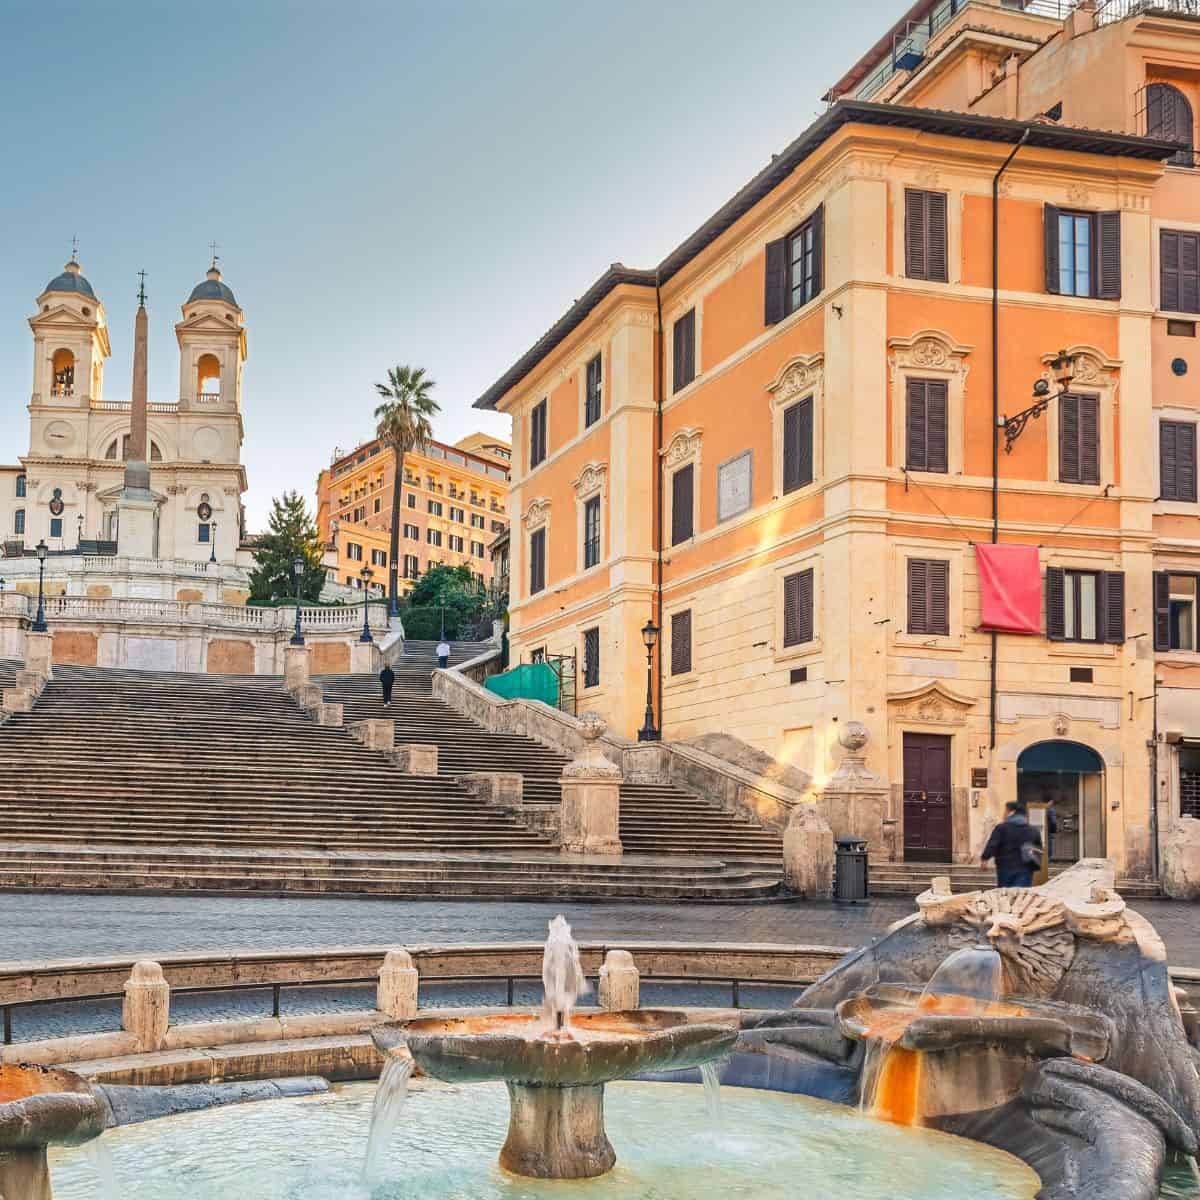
(1072, 776)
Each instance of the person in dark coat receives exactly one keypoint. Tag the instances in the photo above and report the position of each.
(387, 679)
(1016, 848)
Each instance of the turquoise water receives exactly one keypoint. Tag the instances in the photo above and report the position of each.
(767, 1146)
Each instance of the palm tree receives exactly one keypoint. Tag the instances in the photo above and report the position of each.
(404, 422)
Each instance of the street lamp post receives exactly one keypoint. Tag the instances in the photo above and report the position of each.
(79, 538)
(298, 572)
(212, 556)
(39, 622)
(366, 574)
(648, 733)
(1062, 367)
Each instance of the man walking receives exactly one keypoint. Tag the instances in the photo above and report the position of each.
(1016, 847)
(387, 679)
(443, 653)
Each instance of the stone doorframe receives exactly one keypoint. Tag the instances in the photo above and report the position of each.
(933, 707)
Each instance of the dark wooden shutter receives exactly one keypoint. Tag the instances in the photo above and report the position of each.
(1108, 255)
(798, 608)
(1050, 232)
(1169, 116)
(1162, 610)
(681, 642)
(937, 394)
(1110, 604)
(1089, 439)
(591, 657)
(681, 504)
(925, 235)
(798, 445)
(1068, 439)
(1056, 617)
(918, 595)
(537, 561)
(939, 265)
(684, 344)
(1179, 271)
(1177, 460)
(777, 291)
(928, 596)
(916, 454)
(818, 235)
(1168, 270)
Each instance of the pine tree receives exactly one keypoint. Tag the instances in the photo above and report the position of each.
(291, 532)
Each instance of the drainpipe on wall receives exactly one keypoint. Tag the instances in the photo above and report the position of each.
(658, 515)
(996, 401)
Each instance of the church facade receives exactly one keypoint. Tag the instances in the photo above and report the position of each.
(66, 488)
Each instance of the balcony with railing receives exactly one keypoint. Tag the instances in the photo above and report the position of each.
(208, 399)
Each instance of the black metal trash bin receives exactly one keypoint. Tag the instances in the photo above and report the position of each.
(850, 881)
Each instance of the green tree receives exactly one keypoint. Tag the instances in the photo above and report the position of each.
(405, 423)
(452, 593)
(290, 532)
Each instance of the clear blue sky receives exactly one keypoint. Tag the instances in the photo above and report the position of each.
(388, 182)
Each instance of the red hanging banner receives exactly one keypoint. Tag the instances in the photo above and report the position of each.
(1010, 588)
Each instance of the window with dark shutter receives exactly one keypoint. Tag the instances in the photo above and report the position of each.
(798, 608)
(1085, 606)
(928, 596)
(1169, 116)
(795, 268)
(925, 235)
(776, 303)
(591, 533)
(1083, 253)
(1078, 439)
(1177, 460)
(798, 445)
(682, 491)
(684, 344)
(1108, 256)
(537, 434)
(681, 642)
(1179, 271)
(592, 392)
(926, 422)
(537, 561)
(591, 658)
(1111, 601)
(1162, 610)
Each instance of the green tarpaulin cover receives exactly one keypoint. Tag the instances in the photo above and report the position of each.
(534, 681)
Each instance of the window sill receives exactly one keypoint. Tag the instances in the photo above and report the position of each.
(1083, 649)
(680, 680)
(804, 650)
(928, 641)
(1184, 658)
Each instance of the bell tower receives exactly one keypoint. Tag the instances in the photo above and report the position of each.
(70, 342)
(212, 347)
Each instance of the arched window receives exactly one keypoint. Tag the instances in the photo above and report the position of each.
(208, 378)
(63, 366)
(19, 522)
(111, 453)
(1169, 116)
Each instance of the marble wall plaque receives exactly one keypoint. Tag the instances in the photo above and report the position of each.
(733, 486)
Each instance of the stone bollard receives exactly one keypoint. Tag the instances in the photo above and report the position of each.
(310, 696)
(808, 854)
(32, 682)
(16, 700)
(498, 789)
(416, 758)
(591, 795)
(147, 1008)
(39, 652)
(296, 662)
(330, 714)
(620, 982)
(398, 984)
(376, 733)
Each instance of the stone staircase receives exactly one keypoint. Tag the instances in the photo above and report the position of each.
(139, 781)
(911, 879)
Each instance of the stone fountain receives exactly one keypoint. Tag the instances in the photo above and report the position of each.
(556, 1063)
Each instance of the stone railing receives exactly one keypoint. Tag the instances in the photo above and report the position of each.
(70, 564)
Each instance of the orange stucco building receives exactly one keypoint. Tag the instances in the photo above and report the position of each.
(778, 444)
(453, 506)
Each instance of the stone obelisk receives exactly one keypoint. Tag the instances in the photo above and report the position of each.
(137, 508)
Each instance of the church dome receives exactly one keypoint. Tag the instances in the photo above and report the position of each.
(71, 281)
(213, 289)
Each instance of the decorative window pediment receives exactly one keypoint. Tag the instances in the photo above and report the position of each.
(683, 446)
(537, 514)
(590, 480)
(798, 377)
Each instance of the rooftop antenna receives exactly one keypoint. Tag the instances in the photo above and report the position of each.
(215, 256)
(141, 289)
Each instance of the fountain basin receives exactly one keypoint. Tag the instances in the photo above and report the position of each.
(556, 1080)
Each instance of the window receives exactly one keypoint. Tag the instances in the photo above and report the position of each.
(538, 655)
(591, 658)
(412, 500)
(1175, 611)
(360, 514)
(458, 514)
(1085, 606)
(433, 537)
(1189, 782)
(411, 566)
(928, 596)
(925, 425)
(1179, 271)
(379, 558)
(478, 521)
(798, 608)
(1079, 439)
(798, 445)
(591, 394)
(681, 642)
(19, 521)
(353, 549)
(435, 508)
(21, 484)
(537, 434)
(925, 235)
(412, 533)
(456, 543)
(1177, 460)
(203, 532)
(1083, 253)
(497, 526)
(56, 527)
(378, 503)
(682, 492)
(1169, 116)
(684, 349)
(591, 533)
(795, 268)
(477, 549)
(537, 561)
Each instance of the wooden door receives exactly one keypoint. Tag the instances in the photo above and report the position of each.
(927, 823)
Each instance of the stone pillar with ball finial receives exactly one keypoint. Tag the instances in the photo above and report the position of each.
(855, 800)
(591, 795)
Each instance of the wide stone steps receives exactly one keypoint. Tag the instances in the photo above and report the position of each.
(911, 879)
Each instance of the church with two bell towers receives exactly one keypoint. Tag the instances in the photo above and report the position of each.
(67, 489)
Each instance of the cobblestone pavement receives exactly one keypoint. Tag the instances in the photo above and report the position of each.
(57, 926)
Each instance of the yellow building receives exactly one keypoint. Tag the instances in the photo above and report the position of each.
(778, 445)
(454, 503)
